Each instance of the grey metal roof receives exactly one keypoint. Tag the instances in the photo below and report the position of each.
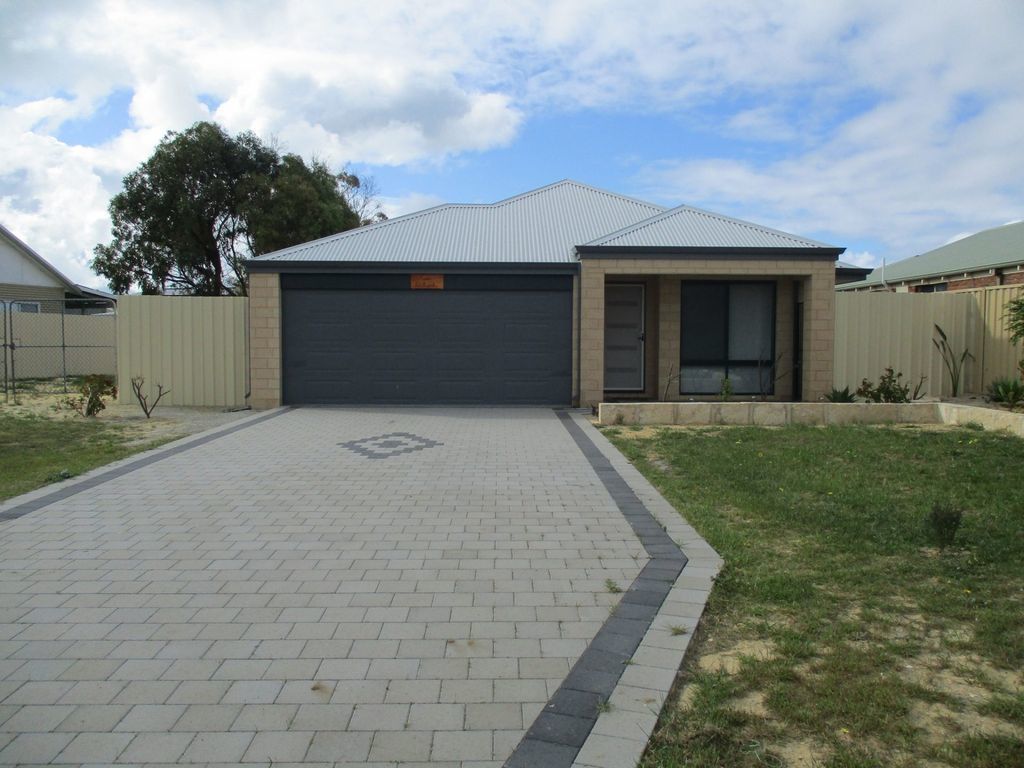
(989, 249)
(541, 226)
(696, 228)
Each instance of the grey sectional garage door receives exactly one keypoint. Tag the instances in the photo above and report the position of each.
(480, 340)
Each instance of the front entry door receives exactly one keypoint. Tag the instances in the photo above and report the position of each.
(624, 338)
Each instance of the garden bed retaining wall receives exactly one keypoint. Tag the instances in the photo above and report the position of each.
(780, 414)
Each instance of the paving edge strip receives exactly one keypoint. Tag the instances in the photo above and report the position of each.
(605, 710)
(42, 498)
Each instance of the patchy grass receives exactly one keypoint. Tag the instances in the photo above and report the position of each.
(39, 450)
(837, 633)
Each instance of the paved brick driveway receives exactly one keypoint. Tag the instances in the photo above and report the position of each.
(295, 592)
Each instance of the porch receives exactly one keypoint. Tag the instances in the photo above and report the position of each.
(673, 328)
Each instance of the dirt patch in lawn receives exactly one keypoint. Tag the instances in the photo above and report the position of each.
(166, 423)
(731, 659)
(801, 754)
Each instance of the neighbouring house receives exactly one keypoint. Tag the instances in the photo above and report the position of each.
(850, 273)
(564, 295)
(989, 258)
(29, 283)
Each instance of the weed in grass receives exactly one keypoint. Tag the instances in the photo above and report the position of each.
(56, 477)
(943, 522)
(612, 587)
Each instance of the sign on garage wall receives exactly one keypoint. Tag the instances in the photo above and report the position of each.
(426, 282)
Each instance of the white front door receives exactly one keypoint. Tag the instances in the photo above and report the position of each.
(624, 337)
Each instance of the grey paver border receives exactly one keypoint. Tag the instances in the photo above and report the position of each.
(606, 708)
(32, 501)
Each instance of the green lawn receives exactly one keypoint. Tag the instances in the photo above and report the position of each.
(838, 633)
(39, 450)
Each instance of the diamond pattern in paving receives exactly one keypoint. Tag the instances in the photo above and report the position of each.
(275, 595)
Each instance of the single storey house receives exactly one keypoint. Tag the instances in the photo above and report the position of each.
(986, 259)
(563, 295)
(29, 283)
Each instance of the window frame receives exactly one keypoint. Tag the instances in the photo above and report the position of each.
(17, 306)
(728, 362)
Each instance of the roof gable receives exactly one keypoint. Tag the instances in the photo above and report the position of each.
(696, 228)
(34, 263)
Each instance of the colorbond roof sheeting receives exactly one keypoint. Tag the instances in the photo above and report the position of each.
(694, 228)
(991, 248)
(542, 226)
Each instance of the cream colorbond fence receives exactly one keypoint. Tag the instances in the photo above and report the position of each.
(194, 346)
(875, 330)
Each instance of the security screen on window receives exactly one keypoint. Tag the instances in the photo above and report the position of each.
(727, 329)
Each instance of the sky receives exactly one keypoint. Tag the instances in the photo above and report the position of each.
(887, 128)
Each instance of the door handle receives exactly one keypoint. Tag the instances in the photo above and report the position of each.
(642, 337)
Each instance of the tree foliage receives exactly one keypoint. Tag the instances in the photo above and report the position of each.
(1015, 319)
(190, 216)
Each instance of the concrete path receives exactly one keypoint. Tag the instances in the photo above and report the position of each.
(344, 587)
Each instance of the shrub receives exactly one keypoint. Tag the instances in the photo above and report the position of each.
(843, 395)
(889, 388)
(143, 400)
(944, 521)
(954, 363)
(90, 400)
(1009, 392)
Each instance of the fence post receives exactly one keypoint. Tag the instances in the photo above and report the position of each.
(63, 347)
(3, 323)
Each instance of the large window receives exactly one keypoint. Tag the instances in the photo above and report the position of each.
(727, 330)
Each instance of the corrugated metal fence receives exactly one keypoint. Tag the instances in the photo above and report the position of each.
(196, 347)
(875, 330)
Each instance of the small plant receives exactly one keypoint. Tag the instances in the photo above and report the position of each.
(56, 477)
(612, 587)
(90, 400)
(726, 392)
(889, 388)
(954, 363)
(673, 377)
(843, 395)
(1008, 392)
(619, 419)
(944, 521)
(678, 630)
(604, 706)
(137, 382)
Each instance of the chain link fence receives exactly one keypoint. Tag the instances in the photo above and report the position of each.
(51, 345)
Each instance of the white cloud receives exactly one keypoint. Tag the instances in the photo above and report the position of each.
(860, 259)
(934, 149)
(411, 203)
(894, 123)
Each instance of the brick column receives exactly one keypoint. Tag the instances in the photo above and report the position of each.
(265, 340)
(819, 331)
(591, 334)
(668, 337)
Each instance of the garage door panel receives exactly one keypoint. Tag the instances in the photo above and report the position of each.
(402, 346)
